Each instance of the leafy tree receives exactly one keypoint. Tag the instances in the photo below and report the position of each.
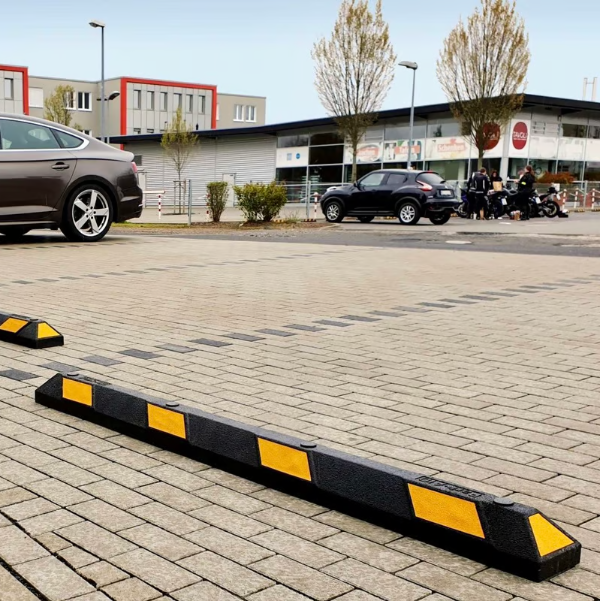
(56, 106)
(179, 143)
(483, 70)
(355, 69)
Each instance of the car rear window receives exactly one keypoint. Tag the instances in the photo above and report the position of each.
(67, 140)
(433, 179)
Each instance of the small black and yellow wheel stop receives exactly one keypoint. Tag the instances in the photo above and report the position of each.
(499, 532)
(32, 333)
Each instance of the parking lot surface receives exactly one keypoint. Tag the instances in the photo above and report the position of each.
(476, 368)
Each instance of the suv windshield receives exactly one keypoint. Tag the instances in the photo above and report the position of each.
(433, 179)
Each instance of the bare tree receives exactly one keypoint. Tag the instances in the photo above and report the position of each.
(355, 69)
(483, 70)
(179, 143)
(58, 106)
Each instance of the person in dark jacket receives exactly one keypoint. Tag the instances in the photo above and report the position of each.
(495, 177)
(525, 188)
(479, 186)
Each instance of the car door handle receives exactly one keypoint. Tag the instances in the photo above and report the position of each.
(60, 166)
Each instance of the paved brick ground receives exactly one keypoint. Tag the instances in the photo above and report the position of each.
(477, 368)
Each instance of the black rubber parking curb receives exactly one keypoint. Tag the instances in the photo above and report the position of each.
(32, 333)
(498, 532)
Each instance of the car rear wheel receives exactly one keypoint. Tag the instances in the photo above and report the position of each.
(88, 214)
(409, 213)
(334, 212)
(440, 219)
(366, 219)
(14, 233)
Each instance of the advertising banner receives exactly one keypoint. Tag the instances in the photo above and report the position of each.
(520, 134)
(368, 152)
(397, 151)
(292, 157)
(447, 149)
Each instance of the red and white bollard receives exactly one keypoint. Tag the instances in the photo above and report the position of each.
(316, 197)
(159, 207)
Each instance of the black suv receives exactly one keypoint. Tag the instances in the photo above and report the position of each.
(408, 195)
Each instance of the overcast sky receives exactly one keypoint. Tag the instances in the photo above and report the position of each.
(262, 47)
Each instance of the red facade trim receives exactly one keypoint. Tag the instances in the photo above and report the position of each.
(25, 72)
(160, 82)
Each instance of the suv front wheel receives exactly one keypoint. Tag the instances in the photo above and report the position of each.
(334, 212)
(409, 212)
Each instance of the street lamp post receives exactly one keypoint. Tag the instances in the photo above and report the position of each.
(111, 97)
(99, 24)
(413, 67)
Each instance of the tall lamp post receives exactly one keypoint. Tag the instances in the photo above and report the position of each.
(99, 24)
(111, 97)
(413, 67)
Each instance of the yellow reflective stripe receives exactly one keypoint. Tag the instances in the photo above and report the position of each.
(46, 331)
(77, 392)
(445, 510)
(548, 537)
(284, 459)
(13, 325)
(167, 421)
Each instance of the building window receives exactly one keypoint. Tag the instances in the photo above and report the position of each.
(87, 132)
(163, 101)
(84, 101)
(177, 101)
(9, 88)
(239, 112)
(190, 103)
(137, 159)
(137, 130)
(36, 98)
(570, 130)
(202, 105)
(137, 99)
(251, 114)
(71, 101)
(150, 101)
(149, 131)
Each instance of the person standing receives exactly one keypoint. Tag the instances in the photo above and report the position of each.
(525, 188)
(479, 186)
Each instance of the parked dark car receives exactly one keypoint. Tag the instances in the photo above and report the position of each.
(52, 176)
(406, 194)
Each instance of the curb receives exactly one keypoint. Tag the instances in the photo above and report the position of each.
(32, 333)
(499, 532)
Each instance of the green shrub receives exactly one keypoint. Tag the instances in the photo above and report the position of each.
(216, 199)
(261, 202)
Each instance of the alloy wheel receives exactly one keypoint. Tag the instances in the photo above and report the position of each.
(333, 212)
(91, 213)
(408, 213)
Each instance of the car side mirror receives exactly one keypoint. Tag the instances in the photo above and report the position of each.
(356, 185)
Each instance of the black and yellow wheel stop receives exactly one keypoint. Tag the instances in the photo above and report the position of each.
(32, 333)
(499, 532)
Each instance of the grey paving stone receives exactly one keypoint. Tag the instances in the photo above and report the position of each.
(11, 588)
(296, 326)
(335, 324)
(175, 348)
(438, 305)
(245, 337)
(98, 360)
(278, 593)
(204, 591)
(17, 374)
(49, 522)
(359, 318)
(412, 309)
(60, 367)
(279, 333)
(102, 574)
(105, 515)
(502, 294)
(207, 342)
(29, 509)
(169, 519)
(139, 354)
(54, 579)
(387, 314)
(479, 297)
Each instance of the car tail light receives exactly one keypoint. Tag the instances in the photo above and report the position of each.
(425, 187)
(134, 167)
